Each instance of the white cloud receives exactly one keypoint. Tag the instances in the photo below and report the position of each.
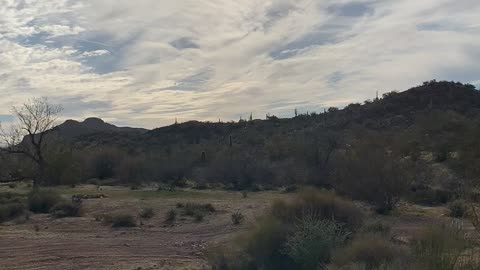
(210, 59)
(60, 30)
(94, 53)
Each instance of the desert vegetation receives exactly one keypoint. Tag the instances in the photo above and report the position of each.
(319, 230)
(316, 191)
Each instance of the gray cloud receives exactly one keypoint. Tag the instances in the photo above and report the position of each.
(352, 9)
(145, 62)
(184, 43)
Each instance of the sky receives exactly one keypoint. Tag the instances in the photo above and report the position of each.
(144, 63)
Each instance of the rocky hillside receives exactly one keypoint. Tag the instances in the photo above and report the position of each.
(71, 128)
(393, 111)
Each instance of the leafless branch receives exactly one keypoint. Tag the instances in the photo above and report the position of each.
(35, 118)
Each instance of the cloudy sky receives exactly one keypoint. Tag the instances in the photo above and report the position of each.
(146, 62)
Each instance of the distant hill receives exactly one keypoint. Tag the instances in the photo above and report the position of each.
(395, 110)
(72, 128)
(441, 119)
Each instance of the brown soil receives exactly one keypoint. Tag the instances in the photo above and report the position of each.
(84, 243)
(45, 243)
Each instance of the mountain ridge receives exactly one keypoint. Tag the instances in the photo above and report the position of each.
(395, 110)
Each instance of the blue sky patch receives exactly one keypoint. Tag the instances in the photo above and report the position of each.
(353, 9)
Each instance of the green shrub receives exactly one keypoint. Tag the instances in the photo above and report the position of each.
(237, 218)
(313, 241)
(147, 213)
(123, 220)
(66, 209)
(458, 208)
(42, 201)
(11, 211)
(369, 250)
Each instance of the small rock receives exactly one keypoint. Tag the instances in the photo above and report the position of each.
(400, 240)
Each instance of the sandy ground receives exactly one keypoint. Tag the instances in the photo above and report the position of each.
(83, 243)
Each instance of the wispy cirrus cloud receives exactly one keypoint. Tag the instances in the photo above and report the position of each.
(146, 62)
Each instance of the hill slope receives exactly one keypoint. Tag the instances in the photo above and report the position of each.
(71, 128)
(394, 111)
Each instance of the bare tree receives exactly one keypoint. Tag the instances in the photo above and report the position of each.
(27, 136)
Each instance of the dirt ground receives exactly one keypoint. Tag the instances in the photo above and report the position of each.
(45, 243)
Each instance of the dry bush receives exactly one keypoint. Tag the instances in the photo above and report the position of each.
(325, 205)
(237, 218)
(10, 197)
(104, 162)
(11, 211)
(376, 227)
(199, 216)
(441, 247)
(426, 195)
(133, 170)
(12, 206)
(458, 208)
(42, 201)
(226, 258)
(171, 217)
(373, 173)
(190, 209)
(147, 213)
(313, 240)
(66, 209)
(370, 250)
(264, 245)
(123, 220)
(297, 234)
